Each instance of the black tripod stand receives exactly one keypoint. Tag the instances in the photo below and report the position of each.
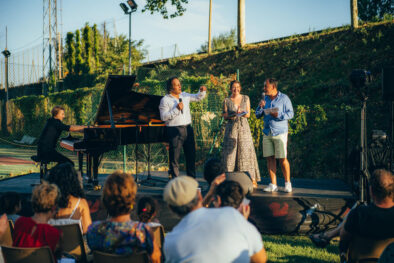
(364, 173)
(359, 79)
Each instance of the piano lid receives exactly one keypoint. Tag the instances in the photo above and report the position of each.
(128, 106)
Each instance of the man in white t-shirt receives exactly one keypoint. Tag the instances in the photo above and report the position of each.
(208, 234)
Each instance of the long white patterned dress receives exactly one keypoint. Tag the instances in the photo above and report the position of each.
(238, 153)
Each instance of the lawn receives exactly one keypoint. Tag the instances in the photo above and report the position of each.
(298, 249)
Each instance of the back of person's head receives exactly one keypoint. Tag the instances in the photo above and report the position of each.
(66, 178)
(230, 193)
(382, 184)
(146, 209)
(169, 84)
(55, 110)
(10, 203)
(181, 195)
(212, 168)
(45, 197)
(119, 193)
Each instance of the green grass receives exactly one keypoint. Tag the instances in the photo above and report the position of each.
(298, 249)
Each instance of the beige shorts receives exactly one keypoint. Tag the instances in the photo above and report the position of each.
(275, 145)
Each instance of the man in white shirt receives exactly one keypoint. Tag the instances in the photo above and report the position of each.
(208, 234)
(175, 112)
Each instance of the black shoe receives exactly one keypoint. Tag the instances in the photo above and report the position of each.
(319, 240)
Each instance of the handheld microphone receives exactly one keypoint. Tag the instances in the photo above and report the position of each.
(180, 100)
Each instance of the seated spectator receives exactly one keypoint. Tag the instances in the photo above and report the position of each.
(3, 229)
(35, 231)
(214, 174)
(72, 204)
(147, 211)
(207, 234)
(374, 220)
(229, 193)
(119, 234)
(11, 204)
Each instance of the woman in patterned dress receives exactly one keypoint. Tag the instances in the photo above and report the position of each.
(119, 234)
(238, 152)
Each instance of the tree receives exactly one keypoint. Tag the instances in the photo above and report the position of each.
(159, 6)
(87, 43)
(374, 10)
(70, 52)
(78, 53)
(96, 46)
(221, 42)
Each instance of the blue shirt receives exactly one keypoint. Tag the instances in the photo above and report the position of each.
(278, 125)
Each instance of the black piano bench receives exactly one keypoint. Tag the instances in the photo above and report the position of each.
(43, 165)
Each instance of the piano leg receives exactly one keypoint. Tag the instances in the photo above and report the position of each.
(89, 168)
(95, 168)
(80, 162)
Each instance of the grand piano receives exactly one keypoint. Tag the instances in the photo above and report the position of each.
(123, 117)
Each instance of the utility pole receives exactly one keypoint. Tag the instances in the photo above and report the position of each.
(210, 28)
(4, 110)
(354, 13)
(241, 23)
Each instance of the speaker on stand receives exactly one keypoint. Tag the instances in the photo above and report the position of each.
(388, 95)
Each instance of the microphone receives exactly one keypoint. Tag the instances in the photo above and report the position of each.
(180, 100)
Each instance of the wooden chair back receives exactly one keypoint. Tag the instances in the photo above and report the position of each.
(362, 249)
(6, 238)
(101, 257)
(72, 241)
(27, 255)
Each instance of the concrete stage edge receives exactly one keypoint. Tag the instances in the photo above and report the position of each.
(313, 206)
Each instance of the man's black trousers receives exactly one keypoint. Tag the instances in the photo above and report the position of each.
(182, 137)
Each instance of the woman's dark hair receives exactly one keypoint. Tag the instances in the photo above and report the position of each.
(119, 193)
(234, 82)
(212, 168)
(66, 178)
(9, 202)
(146, 209)
(169, 84)
(230, 193)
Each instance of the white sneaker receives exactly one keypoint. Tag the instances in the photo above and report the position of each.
(288, 188)
(271, 188)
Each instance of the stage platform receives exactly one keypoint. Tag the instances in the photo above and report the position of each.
(313, 205)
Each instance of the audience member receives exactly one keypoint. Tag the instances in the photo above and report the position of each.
(119, 234)
(374, 220)
(214, 174)
(35, 231)
(11, 204)
(208, 234)
(229, 193)
(147, 211)
(3, 229)
(72, 203)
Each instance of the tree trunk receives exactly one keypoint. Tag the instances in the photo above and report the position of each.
(241, 23)
(354, 13)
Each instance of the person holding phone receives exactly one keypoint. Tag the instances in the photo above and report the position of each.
(238, 149)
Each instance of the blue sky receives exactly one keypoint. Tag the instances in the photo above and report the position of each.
(264, 20)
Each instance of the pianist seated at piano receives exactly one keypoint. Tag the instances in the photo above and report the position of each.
(46, 148)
